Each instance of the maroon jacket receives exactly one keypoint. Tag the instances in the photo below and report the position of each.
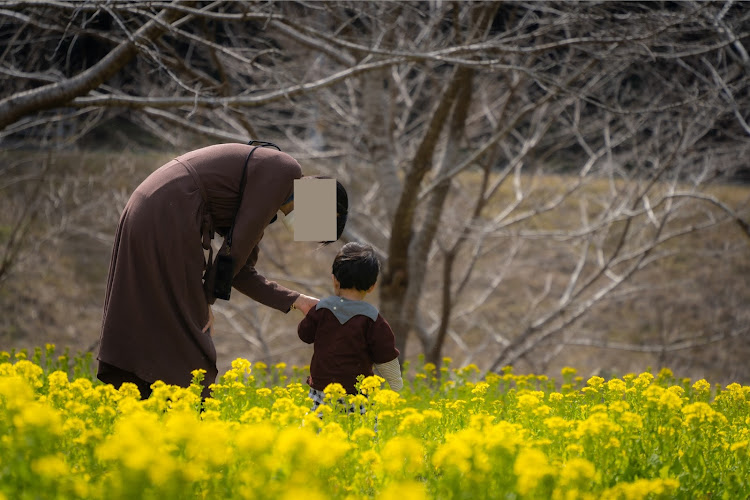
(156, 303)
(344, 351)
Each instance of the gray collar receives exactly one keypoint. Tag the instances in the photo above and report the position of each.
(345, 309)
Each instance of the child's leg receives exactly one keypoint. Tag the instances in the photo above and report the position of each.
(318, 397)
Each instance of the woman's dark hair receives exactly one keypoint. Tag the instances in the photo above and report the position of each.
(342, 208)
(356, 266)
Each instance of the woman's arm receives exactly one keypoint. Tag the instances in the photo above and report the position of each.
(270, 293)
(258, 288)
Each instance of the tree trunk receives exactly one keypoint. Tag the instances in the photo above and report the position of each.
(435, 353)
(424, 240)
(396, 277)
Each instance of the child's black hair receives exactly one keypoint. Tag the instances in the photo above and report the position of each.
(356, 266)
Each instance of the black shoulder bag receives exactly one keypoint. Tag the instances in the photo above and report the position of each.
(225, 261)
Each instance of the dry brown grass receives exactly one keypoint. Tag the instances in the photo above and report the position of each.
(55, 294)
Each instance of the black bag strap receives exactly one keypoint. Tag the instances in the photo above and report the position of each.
(260, 144)
(264, 144)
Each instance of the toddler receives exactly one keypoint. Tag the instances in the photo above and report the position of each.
(349, 336)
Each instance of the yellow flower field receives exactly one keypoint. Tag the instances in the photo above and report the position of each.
(447, 435)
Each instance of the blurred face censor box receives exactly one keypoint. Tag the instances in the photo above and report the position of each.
(315, 210)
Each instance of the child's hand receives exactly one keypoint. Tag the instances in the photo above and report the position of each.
(304, 303)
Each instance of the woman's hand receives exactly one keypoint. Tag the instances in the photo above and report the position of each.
(210, 324)
(304, 303)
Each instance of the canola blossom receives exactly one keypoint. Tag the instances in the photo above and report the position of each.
(447, 435)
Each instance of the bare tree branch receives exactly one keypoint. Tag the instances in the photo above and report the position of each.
(48, 96)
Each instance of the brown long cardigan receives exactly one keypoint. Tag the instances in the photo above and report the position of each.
(157, 299)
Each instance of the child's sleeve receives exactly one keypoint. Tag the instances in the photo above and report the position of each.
(382, 345)
(308, 325)
(391, 372)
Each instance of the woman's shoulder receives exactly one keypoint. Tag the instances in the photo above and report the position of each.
(220, 156)
(215, 153)
(279, 161)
